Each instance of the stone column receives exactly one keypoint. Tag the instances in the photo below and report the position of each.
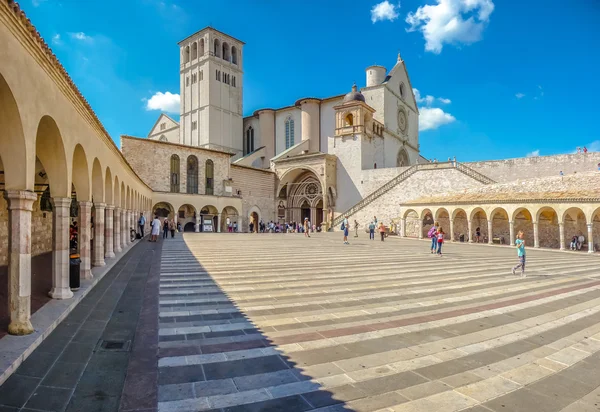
(490, 234)
(61, 207)
(240, 222)
(219, 224)
(85, 238)
(511, 226)
(536, 238)
(117, 230)
(197, 226)
(590, 227)
(108, 231)
(451, 230)
(470, 230)
(123, 228)
(98, 256)
(561, 231)
(403, 227)
(127, 227)
(420, 229)
(20, 205)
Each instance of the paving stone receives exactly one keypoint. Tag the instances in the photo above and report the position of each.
(232, 369)
(64, 375)
(17, 389)
(288, 404)
(264, 380)
(49, 399)
(214, 387)
(37, 364)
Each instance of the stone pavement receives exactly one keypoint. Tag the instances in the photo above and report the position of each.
(273, 322)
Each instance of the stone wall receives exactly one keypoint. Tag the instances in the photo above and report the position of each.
(539, 166)
(258, 190)
(151, 160)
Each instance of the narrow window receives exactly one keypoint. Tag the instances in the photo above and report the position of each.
(186, 57)
(209, 177)
(217, 48)
(175, 174)
(233, 54)
(289, 132)
(249, 140)
(187, 81)
(194, 50)
(201, 75)
(192, 174)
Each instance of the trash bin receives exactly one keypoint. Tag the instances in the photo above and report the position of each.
(74, 265)
(462, 238)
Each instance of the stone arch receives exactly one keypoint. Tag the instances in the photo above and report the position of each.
(304, 185)
(186, 55)
(163, 210)
(595, 221)
(548, 229)
(412, 223)
(479, 220)
(523, 221)
(51, 153)
(442, 216)
(97, 182)
(500, 225)
(217, 48)
(108, 190)
(234, 55)
(186, 215)
(231, 213)
(18, 171)
(194, 50)
(402, 159)
(81, 174)
(117, 192)
(226, 55)
(192, 174)
(461, 224)
(209, 215)
(348, 119)
(427, 221)
(254, 210)
(201, 47)
(123, 195)
(575, 224)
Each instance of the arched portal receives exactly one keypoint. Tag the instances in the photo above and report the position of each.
(576, 226)
(412, 223)
(209, 218)
(304, 198)
(548, 230)
(228, 216)
(523, 222)
(427, 222)
(461, 225)
(402, 158)
(443, 218)
(163, 210)
(186, 216)
(500, 226)
(479, 226)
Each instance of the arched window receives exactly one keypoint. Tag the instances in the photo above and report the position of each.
(226, 51)
(402, 90)
(192, 174)
(289, 132)
(402, 158)
(201, 47)
(234, 55)
(175, 174)
(250, 140)
(349, 119)
(194, 50)
(186, 57)
(217, 48)
(210, 182)
(163, 138)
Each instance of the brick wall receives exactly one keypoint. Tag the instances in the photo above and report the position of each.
(258, 189)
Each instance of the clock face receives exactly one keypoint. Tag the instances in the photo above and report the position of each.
(402, 121)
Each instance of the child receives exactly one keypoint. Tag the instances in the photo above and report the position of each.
(520, 245)
(432, 234)
(440, 240)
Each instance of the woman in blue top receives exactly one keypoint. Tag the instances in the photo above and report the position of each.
(520, 245)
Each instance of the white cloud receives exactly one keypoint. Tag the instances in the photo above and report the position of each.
(56, 39)
(451, 22)
(445, 101)
(520, 95)
(80, 36)
(433, 117)
(535, 153)
(429, 99)
(166, 102)
(384, 11)
(37, 3)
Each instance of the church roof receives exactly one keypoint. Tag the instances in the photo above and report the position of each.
(354, 95)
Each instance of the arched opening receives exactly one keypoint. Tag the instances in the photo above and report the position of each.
(234, 55)
(479, 226)
(194, 50)
(163, 138)
(253, 224)
(576, 226)
(208, 217)
(461, 225)
(192, 174)
(523, 222)
(304, 197)
(349, 120)
(548, 230)
(217, 48)
(163, 210)
(186, 56)
(186, 217)
(596, 228)
(201, 47)
(228, 216)
(289, 132)
(412, 223)
(402, 158)
(175, 174)
(443, 218)
(249, 140)
(226, 55)
(500, 226)
(209, 176)
(402, 91)
(426, 222)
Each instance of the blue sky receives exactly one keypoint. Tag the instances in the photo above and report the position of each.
(506, 78)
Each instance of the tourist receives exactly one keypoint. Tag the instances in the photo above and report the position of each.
(375, 220)
(440, 240)
(478, 233)
(573, 245)
(229, 226)
(431, 234)
(165, 228)
(561, 174)
(580, 241)
(172, 228)
(345, 230)
(520, 245)
(155, 229)
(382, 231)
(578, 149)
(306, 227)
(179, 228)
(585, 150)
(372, 231)
(355, 228)
(599, 167)
(251, 227)
(141, 223)
(235, 227)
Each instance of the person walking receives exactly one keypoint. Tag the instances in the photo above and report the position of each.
(345, 230)
(478, 233)
(141, 224)
(520, 245)
(172, 228)
(382, 231)
(235, 227)
(431, 234)
(306, 227)
(372, 231)
(355, 228)
(440, 240)
(165, 227)
(155, 229)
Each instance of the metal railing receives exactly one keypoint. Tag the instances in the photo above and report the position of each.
(405, 175)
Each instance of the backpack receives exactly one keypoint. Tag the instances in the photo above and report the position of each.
(343, 227)
(431, 232)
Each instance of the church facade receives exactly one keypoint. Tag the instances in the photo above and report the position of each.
(321, 150)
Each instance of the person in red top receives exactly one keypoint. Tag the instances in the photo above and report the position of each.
(584, 149)
(440, 241)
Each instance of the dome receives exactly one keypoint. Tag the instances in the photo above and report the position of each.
(354, 95)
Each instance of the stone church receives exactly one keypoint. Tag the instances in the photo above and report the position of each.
(324, 153)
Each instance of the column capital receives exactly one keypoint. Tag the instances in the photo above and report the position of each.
(85, 204)
(99, 205)
(61, 201)
(510, 222)
(109, 207)
(590, 226)
(561, 224)
(20, 199)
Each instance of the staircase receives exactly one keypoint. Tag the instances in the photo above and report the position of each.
(405, 175)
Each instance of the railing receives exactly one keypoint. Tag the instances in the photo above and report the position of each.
(406, 174)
